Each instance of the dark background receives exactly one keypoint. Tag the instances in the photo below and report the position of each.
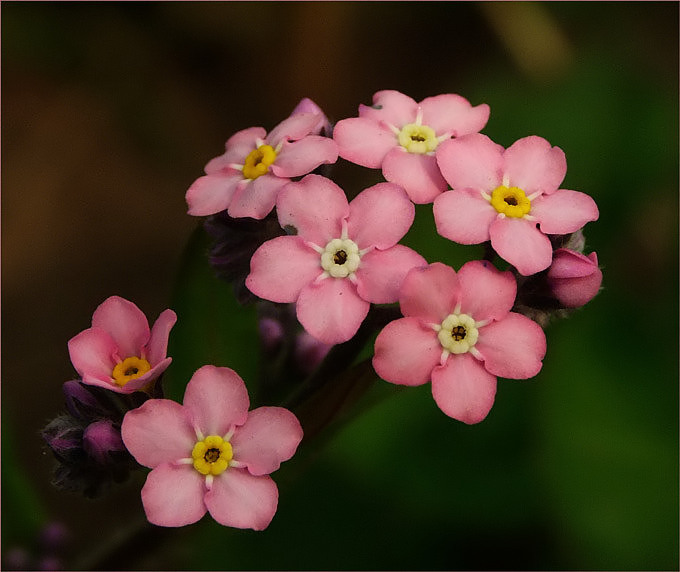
(111, 110)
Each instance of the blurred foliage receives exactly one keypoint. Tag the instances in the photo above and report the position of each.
(574, 469)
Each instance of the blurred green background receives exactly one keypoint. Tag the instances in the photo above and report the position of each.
(111, 110)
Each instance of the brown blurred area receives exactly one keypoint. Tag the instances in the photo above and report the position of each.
(111, 110)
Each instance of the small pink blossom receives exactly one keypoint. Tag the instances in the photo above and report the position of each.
(574, 278)
(459, 333)
(246, 179)
(502, 195)
(211, 453)
(120, 352)
(341, 258)
(400, 136)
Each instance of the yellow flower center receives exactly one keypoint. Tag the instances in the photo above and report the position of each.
(418, 138)
(212, 455)
(458, 333)
(510, 201)
(130, 368)
(258, 161)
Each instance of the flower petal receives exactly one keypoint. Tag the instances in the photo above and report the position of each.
(242, 500)
(534, 166)
(564, 211)
(392, 107)
(269, 436)
(157, 348)
(512, 347)
(281, 267)
(173, 495)
(382, 272)
(487, 293)
(471, 162)
(92, 352)
(430, 293)
(520, 243)
(315, 207)
(418, 174)
(216, 399)
(380, 216)
(143, 380)
(463, 216)
(158, 432)
(126, 324)
(238, 146)
(451, 113)
(213, 193)
(258, 197)
(363, 141)
(294, 127)
(406, 352)
(463, 389)
(331, 310)
(305, 155)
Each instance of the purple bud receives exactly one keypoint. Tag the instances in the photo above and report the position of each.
(102, 438)
(64, 435)
(82, 401)
(309, 352)
(50, 563)
(54, 536)
(271, 333)
(574, 278)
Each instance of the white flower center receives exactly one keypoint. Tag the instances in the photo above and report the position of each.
(416, 138)
(340, 258)
(458, 333)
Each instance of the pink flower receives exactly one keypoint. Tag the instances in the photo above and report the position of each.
(342, 257)
(211, 454)
(501, 195)
(458, 332)
(247, 177)
(575, 279)
(119, 352)
(400, 136)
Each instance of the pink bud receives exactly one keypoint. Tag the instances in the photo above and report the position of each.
(306, 105)
(101, 438)
(575, 279)
(271, 333)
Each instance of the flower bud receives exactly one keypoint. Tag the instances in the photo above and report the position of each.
(574, 278)
(306, 105)
(82, 401)
(64, 435)
(100, 439)
(309, 352)
(271, 333)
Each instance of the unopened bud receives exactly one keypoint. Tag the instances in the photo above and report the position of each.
(306, 105)
(574, 278)
(309, 352)
(100, 439)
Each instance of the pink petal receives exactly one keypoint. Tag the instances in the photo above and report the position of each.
(380, 216)
(126, 324)
(512, 347)
(430, 293)
(92, 352)
(258, 197)
(471, 162)
(142, 381)
(564, 211)
(363, 141)
(158, 432)
(216, 399)
(406, 352)
(382, 272)
(392, 107)
(157, 348)
(331, 310)
(519, 242)
(463, 216)
(463, 389)
(241, 500)
(294, 127)
(487, 293)
(212, 193)
(451, 113)
(569, 264)
(315, 207)
(418, 174)
(534, 166)
(173, 495)
(238, 146)
(305, 155)
(269, 436)
(281, 267)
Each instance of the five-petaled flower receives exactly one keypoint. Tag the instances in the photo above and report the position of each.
(400, 136)
(458, 332)
(501, 195)
(246, 179)
(341, 258)
(211, 454)
(119, 352)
